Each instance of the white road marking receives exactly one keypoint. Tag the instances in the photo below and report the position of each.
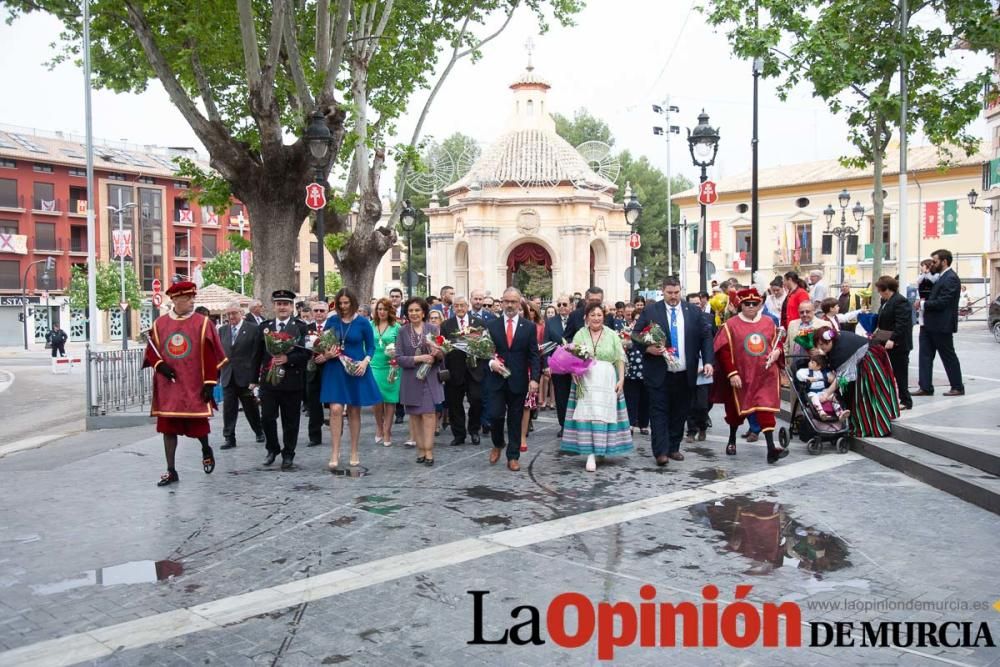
(214, 615)
(6, 380)
(30, 443)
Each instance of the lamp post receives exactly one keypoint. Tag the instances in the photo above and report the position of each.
(120, 212)
(843, 230)
(318, 138)
(669, 129)
(408, 221)
(50, 264)
(633, 211)
(973, 198)
(703, 142)
(242, 221)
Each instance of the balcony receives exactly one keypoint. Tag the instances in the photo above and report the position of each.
(805, 258)
(184, 217)
(866, 253)
(41, 206)
(13, 204)
(991, 175)
(46, 246)
(78, 246)
(77, 208)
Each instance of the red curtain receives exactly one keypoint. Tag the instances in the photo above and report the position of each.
(528, 252)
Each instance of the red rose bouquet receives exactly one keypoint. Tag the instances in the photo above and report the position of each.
(277, 342)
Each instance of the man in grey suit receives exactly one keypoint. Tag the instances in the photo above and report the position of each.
(241, 343)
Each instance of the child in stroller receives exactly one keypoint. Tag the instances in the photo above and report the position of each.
(822, 398)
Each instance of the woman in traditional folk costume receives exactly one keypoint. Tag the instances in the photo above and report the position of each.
(747, 350)
(185, 351)
(597, 422)
(864, 374)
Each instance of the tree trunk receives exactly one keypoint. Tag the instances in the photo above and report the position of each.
(276, 226)
(878, 225)
(359, 260)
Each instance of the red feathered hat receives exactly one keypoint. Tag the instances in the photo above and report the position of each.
(183, 288)
(749, 294)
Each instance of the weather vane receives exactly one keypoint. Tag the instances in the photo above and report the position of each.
(529, 45)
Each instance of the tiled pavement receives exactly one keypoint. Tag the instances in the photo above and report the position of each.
(872, 534)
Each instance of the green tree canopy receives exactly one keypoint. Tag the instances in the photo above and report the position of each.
(108, 286)
(224, 270)
(582, 127)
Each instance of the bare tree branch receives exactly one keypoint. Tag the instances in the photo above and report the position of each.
(322, 34)
(303, 94)
(251, 48)
(337, 54)
(377, 34)
(280, 8)
(203, 87)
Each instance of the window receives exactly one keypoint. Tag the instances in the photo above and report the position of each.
(77, 199)
(314, 252)
(43, 168)
(10, 274)
(181, 185)
(397, 254)
(117, 177)
(181, 245)
(8, 226)
(8, 193)
(209, 245)
(742, 241)
(119, 196)
(76, 171)
(45, 236)
(804, 242)
(7, 163)
(395, 273)
(146, 180)
(77, 238)
(150, 236)
(869, 249)
(235, 210)
(314, 282)
(182, 211)
(44, 197)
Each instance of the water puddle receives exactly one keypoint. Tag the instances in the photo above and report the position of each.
(355, 472)
(710, 474)
(765, 532)
(134, 572)
(492, 520)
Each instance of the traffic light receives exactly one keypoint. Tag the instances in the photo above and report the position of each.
(20, 316)
(50, 263)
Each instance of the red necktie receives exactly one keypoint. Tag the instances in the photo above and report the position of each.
(510, 332)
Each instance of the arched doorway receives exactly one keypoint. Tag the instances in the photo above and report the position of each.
(599, 264)
(462, 268)
(529, 268)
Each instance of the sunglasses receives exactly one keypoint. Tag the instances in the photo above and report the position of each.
(319, 310)
(563, 304)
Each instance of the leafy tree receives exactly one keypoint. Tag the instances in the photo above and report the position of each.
(851, 52)
(109, 290)
(224, 270)
(332, 283)
(245, 74)
(650, 187)
(534, 280)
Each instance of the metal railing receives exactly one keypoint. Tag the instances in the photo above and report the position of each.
(117, 382)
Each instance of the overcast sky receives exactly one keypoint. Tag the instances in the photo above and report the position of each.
(621, 57)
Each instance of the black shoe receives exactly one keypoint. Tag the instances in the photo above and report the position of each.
(261, 438)
(559, 434)
(421, 459)
(229, 444)
(486, 430)
(314, 443)
(269, 459)
(207, 460)
(399, 420)
(286, 462)
(429, 462)
(456, 442)
(168, 477)
(475, 438)
(777, 454)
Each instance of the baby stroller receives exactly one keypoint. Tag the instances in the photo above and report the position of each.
(806, 423)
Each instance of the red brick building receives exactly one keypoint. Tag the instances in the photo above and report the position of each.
(43, 205)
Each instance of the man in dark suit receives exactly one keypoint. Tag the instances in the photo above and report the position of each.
(555, 332)
(516, 342)
(478, 307)
(445, 306)
(285, 397)
(255, 313)
(940, 326)
(690, 335)
(314, 378)
(577, 320)
(241, 343)
(463, 381)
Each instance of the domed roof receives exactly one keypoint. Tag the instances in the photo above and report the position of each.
(537, 157)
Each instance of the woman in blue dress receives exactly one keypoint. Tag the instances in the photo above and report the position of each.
(341, 389)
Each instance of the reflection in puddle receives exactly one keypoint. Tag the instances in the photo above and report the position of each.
(357, 471)
(135, 572)
(378, 505)
(710, 474)
(764, 532)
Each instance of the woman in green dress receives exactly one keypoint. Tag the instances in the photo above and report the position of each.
(386, 330)
(596, 418)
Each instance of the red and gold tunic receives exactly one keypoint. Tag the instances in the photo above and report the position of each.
(190, 345)
(742, 347)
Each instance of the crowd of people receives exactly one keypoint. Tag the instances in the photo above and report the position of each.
(480, 366)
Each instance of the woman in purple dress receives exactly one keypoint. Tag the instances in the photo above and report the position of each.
(421, 389)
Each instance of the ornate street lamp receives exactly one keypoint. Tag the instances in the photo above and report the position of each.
(843, 230)
(703, 142)
(633, 211)
(973, 198)
(319, 138)
(408, 221)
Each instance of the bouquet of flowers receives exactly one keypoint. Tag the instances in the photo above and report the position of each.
(626, 337)
(393, 370)
(653, 334)
(574, 360)
(504, 371)
(431, 342)
(390, 350)
(320, 344)
(546, 347)
(277, 342)
(477, 345)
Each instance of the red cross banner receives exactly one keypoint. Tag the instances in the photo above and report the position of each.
(716, 235)
(186, 215)
(14, 243)
(122, 241)
(213, 218)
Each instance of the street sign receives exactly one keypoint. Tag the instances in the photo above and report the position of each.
(634, 242)
(707, 193)
(315, 196)
(632, 275)
(123, 305)
(157, 285)
(157, 300)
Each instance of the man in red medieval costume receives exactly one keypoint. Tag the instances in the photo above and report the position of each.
(747, 349)
(185, 351)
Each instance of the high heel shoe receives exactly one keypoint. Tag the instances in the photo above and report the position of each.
(355, 463)
(421, 459)
(332, 465)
